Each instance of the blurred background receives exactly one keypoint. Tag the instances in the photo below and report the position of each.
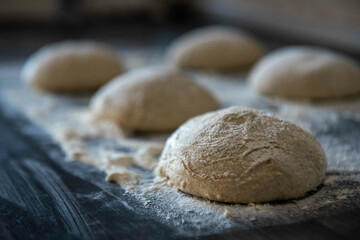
(26, 25)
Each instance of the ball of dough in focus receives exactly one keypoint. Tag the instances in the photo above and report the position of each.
(151, 99)
(71, 66)
(306, 72)
(242, 156)
(215, 48)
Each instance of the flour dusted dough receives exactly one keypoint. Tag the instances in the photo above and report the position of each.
(151, 99)
(242, 156)
(71, 66)
(306, 72)
(215, 48)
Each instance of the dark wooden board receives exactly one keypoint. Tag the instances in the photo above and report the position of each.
(41, 199)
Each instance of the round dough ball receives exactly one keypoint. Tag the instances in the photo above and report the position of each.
(306, 72)
(242, 156)
(215, 48)
(71, 66)
(151, 99)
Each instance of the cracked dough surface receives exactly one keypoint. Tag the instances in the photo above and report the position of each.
(242, 156)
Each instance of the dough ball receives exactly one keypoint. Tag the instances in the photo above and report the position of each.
(151, 99)
(242, 156)
(215, 48)
(306, 72)
(71, 66)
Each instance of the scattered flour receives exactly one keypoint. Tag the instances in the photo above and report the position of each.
(129, 159)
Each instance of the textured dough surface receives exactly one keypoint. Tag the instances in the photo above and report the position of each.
(71, 66)
(215, 48)
(151, 99)
(306, 72)
(242, 156)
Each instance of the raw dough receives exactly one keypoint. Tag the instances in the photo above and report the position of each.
(215, 48)
(306, 72)
(151, 99)
(71, 66)
(242, 156)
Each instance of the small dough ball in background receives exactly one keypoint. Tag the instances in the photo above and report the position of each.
(71, 66)
(215, 48)
(306, 72)
(151, 99)
(242, 156)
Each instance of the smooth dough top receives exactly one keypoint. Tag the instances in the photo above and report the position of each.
(152, 99)
(215, 48)
(71, 66)
(306, 72)
(242, 156)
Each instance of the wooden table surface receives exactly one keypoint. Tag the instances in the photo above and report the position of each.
(40, 199)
